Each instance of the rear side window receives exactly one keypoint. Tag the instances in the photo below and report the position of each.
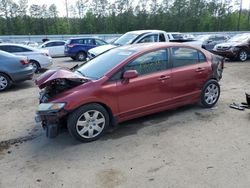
(14, 49)
(149, 63)
(100, 42)
(184, 56)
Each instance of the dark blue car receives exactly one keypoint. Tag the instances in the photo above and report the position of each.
(77, 48)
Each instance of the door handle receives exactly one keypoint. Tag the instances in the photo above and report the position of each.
(164, 78)
(199, 69)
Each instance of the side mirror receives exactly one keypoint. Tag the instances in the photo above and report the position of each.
(130, 74)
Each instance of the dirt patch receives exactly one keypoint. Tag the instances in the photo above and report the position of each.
(5, 145)
(110, 178)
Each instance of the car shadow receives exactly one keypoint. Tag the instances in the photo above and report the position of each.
(20, 86)
(132, 127)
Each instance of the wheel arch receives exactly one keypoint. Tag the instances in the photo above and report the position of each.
(1, 72)
(113, 119)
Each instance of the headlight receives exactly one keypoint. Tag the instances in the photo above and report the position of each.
(50, 107)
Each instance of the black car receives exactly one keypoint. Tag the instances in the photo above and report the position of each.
(238, 47)
(211, 40)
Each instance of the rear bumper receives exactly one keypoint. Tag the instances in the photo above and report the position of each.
(25, 74)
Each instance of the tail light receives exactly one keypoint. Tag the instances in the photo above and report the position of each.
(24, 62)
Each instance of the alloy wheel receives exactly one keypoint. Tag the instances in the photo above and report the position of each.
(211, 94)
(90, 124)
(243, 56)
(3, 82)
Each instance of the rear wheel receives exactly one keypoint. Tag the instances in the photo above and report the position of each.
(5, 82)
(210, 94)
(88, 123)
(81, 56)
(35, 65)
(242, 55)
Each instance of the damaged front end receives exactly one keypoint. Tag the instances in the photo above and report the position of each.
(52, 83)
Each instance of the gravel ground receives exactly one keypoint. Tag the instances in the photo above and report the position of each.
(185, 147)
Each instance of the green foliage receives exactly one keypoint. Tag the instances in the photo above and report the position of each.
(99, 16)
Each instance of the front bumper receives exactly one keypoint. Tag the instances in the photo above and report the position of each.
(226, 53)
(52, 122)
(46, 64)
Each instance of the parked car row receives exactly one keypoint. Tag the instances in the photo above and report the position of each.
(234, 48)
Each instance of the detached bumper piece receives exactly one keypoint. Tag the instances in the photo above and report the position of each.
(243, 105)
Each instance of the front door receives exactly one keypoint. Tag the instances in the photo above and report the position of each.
(150, 89)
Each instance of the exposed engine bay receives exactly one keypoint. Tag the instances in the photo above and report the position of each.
(53, 82)
(57, 86)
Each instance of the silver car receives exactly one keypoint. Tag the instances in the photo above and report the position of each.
(39, 59)
(13, 69)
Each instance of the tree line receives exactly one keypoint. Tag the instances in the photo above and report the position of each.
(101, 16)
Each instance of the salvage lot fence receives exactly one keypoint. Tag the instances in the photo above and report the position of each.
(107, 37)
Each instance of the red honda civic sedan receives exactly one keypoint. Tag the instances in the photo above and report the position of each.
(126, 83)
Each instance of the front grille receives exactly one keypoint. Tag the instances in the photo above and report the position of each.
(222, 48)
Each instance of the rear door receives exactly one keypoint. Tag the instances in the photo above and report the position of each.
(150, 90)
(190, 71)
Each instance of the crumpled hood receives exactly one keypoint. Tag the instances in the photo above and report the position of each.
(50, 75)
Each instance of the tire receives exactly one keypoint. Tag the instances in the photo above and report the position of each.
(5, 82)
(84, 127)
(81, 56)
(242, 56)
(210, 94)
(35, 65)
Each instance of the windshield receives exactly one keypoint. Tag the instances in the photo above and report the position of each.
(239, 38)
(127, 38)
(202, 37)
(178, 36)
(99, 66)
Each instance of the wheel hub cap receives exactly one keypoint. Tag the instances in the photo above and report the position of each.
(3, 82)
(90, 124)
(211, 94)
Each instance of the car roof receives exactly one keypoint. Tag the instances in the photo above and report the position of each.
(75, 38)
(145, 31)
(20, 45)
(53, 41)
(154, 45)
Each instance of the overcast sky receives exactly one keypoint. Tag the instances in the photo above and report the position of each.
(61, 4)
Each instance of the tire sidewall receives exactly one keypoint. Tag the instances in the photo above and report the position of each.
(74, 116)
(242, 51)
(8, 82)
(37, 65)
(81, 53)
(203, 101)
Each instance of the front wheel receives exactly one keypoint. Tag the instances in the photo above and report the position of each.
(242, 55)
(210, 94)
(88, 123)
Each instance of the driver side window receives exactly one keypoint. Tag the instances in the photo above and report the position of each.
(149, 38)
(149, 63)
